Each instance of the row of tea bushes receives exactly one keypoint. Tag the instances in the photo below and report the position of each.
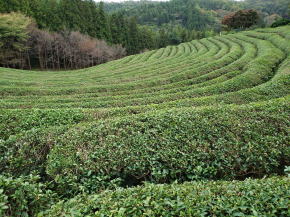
(264, 197)
(226, 142)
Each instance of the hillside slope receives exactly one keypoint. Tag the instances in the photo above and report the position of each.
(212, 109)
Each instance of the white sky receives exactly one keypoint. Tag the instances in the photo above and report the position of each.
(123, 0)
(133, 0)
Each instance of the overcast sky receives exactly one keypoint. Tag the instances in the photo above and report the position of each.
(123, 0)
(133, 0)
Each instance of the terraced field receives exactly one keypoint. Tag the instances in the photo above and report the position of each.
(212, 111)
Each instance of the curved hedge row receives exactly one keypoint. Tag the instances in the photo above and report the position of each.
(213, 143)
(212, 109)
(254, 60)
(265, 197)
(24, 196)
(233, 142)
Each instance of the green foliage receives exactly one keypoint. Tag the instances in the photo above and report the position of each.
(287, 171)
(13, 37)
(86, 17)
(27, 153)
(13, 122)
(178, 145)
(281, 22)
(211, 109)
(265, 197)
(189, 19)
(24, 196)
(269, 6)
(192, 14)
(251, 141)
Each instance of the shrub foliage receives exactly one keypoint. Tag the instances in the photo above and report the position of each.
(209, 112)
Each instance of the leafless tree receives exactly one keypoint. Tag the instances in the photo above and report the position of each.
(69, 50)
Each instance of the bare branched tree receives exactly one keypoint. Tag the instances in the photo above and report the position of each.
(70, 50)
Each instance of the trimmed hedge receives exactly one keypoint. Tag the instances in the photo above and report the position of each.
(213, 109)
(227, 142)
(24, 196)
(17, 121)
(106, 79)
(264, 197)
(281, 22)
(211, 143)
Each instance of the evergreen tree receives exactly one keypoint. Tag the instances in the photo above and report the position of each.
(146, 38)
(133, 45)
(102, 25)
(13, 38)
(163, 38)
(119, 29)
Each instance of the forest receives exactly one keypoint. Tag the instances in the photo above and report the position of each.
(98, 32)
(197, 14)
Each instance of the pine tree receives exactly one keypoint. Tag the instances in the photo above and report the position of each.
(13, 38)
(103, 28)
(133, 41)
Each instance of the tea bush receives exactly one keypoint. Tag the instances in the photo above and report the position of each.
(24, 196)
(208, 111)
(212, 143)
(264, 197)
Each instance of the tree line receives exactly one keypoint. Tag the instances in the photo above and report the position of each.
(65, 34)
(280, 7)
(86, 17)
(200, 15)
(124, 27)
(82, 33)
(23, 45)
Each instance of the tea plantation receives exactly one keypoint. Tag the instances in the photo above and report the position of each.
(198, 129)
